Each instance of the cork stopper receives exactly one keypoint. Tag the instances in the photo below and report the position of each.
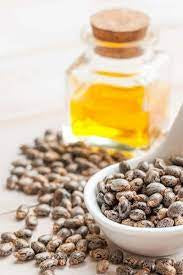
(119, 25)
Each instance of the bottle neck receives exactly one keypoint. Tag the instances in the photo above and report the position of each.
(118, 50)
(127, 57)
(126, 66)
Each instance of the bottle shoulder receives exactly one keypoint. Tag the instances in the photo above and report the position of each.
(126, 72)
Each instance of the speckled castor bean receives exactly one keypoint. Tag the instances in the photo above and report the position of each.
(109, 198)
(169, 181)
(124, 167)
(48, 264)
(124, 270)
(73, 239)
(141, 197)
(11, 182)
(61, 257)
(75, 222)
(40, 257)
(137, 215)
(77, 257)
(177, 161)
(173, 170)
(112, 215)
(124, 207)
(100, 254)
(133, 261)
(114, 176)
(68, 248)
(149, 264)
(53, 244)
(104, 207)
(119, 185)
(162, 213)
(152, 176)
(6, 249)
(181, 177)
(129, 175)
(164, 267)
(77, 210)
(100, 198)
(82, 230)
(176, 189)
(155, 200)
(128, 222)
(43, 170)
(166, 222)
(139, 174)
(60, 212)
(101, 187)
(22, 212)
(179, 193)
(24, 233)
(46, 198)
(102, 266)
(94, 228)
(95, 241)
(20, 162)
(18, 171)
(51, 156)
(64, 233)
(169, 261)
(129, 195)
(155, 187)
(33, 189)
(38, 247)
(144, 223)
(154, 219)
(156, 209)
(136, 184)
(143, 165)
(82, 245)
(58, 224)
(7, 237)
(179, 220)
(179, 267)
(25, 254)
(116, 256)
(25, 182)
(42, 210)
(66, 203)
(143, 206)
(159, 163)
(31, 221)
(45, 239)
(175, 209)
(169, 198)
(20, 243)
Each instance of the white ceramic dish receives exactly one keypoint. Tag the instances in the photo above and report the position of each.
(143, 241)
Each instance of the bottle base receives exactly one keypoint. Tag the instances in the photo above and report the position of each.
(101, 142)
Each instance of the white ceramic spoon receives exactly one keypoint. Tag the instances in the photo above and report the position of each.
(143, 241)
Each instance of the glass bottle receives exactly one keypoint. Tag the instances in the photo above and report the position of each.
(118, 90)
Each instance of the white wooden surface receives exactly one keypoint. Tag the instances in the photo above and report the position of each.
(38, 40)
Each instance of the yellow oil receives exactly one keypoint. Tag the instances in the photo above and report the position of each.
(132, 116)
